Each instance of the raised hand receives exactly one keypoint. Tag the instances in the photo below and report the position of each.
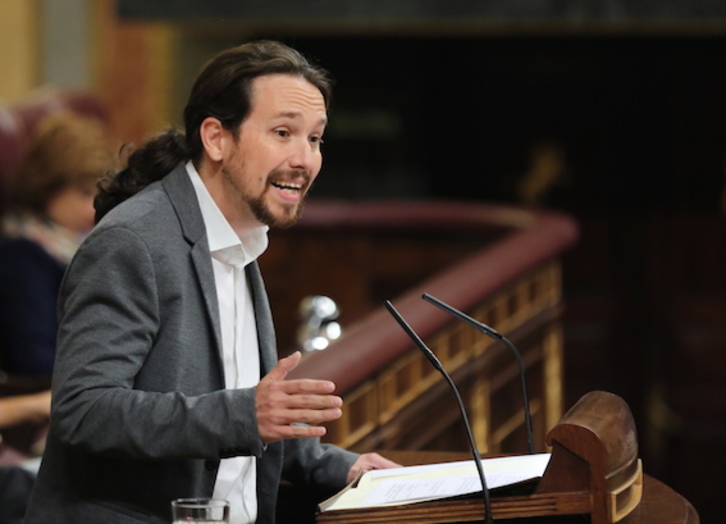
(283, 405)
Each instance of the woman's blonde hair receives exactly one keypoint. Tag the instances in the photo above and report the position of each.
(67, 149)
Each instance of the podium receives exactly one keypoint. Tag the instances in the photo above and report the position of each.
(594, 474)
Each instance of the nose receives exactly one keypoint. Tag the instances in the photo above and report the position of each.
(306, 155)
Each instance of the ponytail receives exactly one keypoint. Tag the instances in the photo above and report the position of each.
(148, 164)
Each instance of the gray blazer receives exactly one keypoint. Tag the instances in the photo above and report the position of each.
(140, 415)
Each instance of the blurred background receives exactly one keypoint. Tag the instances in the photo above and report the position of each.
(613, 111)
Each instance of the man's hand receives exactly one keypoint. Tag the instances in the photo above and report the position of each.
(281, 403)
(367, 462)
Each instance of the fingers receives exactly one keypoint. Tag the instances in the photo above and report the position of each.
(294, 424)
(282, 405)
(369, 461)
(302, 432)
(306, 387)
(376, 461)
(293, 409)
(284, 366)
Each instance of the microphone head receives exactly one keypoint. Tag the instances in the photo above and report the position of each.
(487, 330)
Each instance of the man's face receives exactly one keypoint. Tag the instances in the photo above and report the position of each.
(269, 169)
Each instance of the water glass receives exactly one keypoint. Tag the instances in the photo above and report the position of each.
(200, 510)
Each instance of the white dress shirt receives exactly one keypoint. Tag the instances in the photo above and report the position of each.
(237, 476)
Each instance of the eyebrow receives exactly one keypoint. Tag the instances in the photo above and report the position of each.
(297, 114)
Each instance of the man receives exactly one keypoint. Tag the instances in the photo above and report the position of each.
(165, 383)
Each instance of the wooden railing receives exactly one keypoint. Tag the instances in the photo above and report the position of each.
(497, 264)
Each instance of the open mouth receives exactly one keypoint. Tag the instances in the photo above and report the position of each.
(288, 187)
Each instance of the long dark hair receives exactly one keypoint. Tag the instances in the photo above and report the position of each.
(222, 91)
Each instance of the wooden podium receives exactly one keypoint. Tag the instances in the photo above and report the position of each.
(594, 474)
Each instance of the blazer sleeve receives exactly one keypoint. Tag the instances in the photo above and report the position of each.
(325, 466)
(126, 384)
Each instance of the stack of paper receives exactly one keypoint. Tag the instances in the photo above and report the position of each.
(407, 485)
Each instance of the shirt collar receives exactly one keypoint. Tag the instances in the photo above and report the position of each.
(224, 243)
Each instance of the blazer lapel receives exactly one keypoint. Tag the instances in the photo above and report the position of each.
(181, 193)
(263, 319)
(184, 199)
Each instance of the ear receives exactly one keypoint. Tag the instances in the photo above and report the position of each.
(213, 136)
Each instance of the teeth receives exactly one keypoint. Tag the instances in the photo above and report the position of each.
(293, 187)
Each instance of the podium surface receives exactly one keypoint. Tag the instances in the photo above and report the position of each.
(659, 505)
(594, 475)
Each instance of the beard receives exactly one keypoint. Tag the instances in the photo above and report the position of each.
(258, 203)
(266, 216)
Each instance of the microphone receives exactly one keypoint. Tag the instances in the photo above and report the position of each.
(493, 333)
(437, 364)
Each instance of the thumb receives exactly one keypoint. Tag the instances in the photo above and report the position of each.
(284, 366)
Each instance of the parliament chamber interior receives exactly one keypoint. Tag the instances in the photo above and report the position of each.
(559, 175)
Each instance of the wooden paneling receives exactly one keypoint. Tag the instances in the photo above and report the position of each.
(19, 41)
(134, 64)
(499, 265)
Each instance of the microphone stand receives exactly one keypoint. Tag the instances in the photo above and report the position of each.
(437, 364)
(493, 333)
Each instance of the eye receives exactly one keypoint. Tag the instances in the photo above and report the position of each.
(282, 133)
(317, 140)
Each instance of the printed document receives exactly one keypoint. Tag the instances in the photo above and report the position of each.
(406, 485)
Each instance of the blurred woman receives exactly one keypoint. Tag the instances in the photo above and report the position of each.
(50, 210)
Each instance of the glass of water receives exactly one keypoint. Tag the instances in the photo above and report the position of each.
(200, 510)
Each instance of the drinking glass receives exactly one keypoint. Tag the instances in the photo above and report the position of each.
(200, 510)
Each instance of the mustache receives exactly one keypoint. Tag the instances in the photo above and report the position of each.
(290, 175)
